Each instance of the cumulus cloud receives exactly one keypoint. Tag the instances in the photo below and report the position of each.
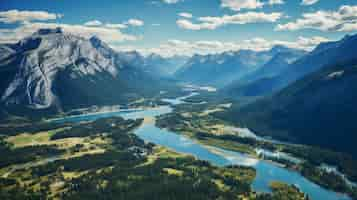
(130, 22)
(211, 23)
(120, 26)
(30, 22)
(238, 5)
(26, 29)
(107, 25)
(135, 22)
(180, 47)
(12, 16)
(171, 1)
(344, 19)
(273, 2)
(124, 25)
(309, 2)
(185, 15)
(93, 23)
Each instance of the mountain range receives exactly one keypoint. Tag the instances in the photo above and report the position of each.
(324, 54)
(164, 67)
(311, 94)
(221, 69)
(272, 68)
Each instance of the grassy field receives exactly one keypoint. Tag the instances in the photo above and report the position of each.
(191, 123)
(26, 139)
(228, 145)
(107, 165)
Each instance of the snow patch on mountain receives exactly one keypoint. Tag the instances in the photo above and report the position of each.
(334, 75)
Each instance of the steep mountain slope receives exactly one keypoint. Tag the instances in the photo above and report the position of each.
(5, 51)
(55, 70)
(324, 54)
(154, 64)
(319, 109)
(272, 68)
(222, 69)
(164, 67)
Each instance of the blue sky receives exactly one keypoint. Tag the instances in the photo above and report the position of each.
(207, 26)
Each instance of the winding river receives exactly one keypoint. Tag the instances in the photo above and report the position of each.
(266, 171)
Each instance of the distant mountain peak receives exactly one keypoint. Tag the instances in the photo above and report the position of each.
(327, 53)
(47, 31)
(223, 68)
(279, 48)
(347, 39)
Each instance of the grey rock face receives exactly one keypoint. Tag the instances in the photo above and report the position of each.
(46, 53)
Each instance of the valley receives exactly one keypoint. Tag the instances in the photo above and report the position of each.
(193, 121)
(82, 120)
(104, 155)
(205, 137)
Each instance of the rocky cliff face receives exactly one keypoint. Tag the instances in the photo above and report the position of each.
(33, 70)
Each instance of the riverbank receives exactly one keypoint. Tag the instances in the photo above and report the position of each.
(184, 144)
(209, 131)
(125, 163)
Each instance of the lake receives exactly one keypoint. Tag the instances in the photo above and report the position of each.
(266, 171)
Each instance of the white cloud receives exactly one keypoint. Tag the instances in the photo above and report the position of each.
(93, 23)
(135, 22)
(185, 15)
(309, 2)
(344, 19)
(273, 2)
(211, 23)
(130, 22)
(29, 24)
(238, 5)
(171, 1)
(120, 26)
(12, 16)
(106, 34)
(180, 47)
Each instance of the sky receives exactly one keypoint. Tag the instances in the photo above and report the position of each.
(185, 27)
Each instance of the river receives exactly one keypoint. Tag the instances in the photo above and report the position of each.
(266, 171)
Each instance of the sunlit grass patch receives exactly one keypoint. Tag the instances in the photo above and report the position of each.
(161, 152)
(172, 171)
(229, 145)
(72, 175)
(26, 139)
(220, 184)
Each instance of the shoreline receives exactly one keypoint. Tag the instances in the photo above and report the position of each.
(101, 112)
(210, 148)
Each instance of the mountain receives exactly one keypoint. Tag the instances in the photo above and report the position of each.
(324, 54)
(153, 64)
(319, 109)
(272, 68)
(53, 70)
(222, 69)
(165, 67)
